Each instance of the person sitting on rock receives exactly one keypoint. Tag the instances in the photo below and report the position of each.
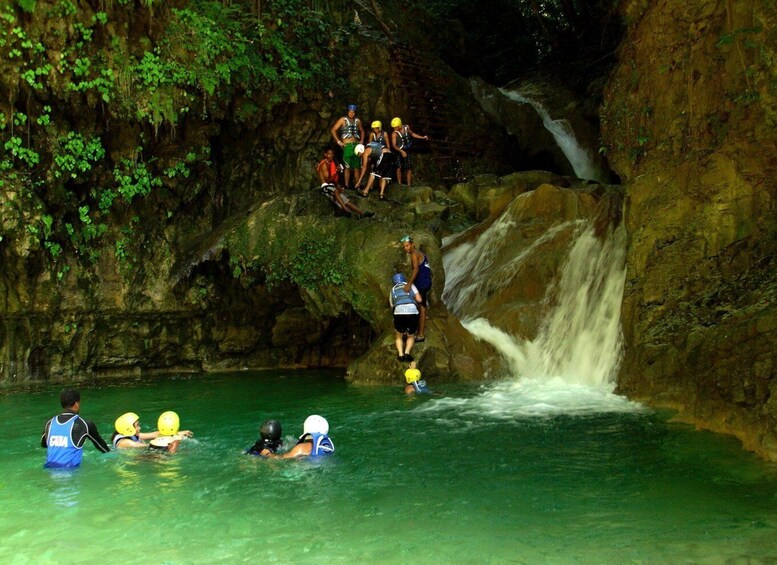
(329, 177)
(406, 313)
(401, 141)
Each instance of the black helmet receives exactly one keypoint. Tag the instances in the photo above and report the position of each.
(271, 429)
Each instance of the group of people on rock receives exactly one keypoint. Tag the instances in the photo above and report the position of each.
(380, 155)
(64, 436)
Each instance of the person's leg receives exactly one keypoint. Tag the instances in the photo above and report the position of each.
(398, 343)
(399, 175)
(409, 177)
(409, 343)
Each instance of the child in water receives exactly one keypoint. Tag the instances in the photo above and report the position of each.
(414, 383)
(269, 441)
(169, 437)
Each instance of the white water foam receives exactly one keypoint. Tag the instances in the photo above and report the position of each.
(579, 157)
(570, 367)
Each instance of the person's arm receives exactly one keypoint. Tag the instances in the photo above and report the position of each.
(395, 145)
(127, 443)
(365, 157)
(45, 434)
(361, 130)
(172, 447)
(95, 437)
(148, 435)
(415, 135)
(323, 172)
(299, 450)
(415, 262)
(334, 130)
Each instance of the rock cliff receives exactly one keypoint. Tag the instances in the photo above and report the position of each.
(689, 122)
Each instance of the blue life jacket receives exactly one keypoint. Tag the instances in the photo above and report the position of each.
(322, 445)
(400, 296)
(120, 437)
(61, 452)
(420, 387)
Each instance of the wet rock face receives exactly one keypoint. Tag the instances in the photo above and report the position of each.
(689, 118)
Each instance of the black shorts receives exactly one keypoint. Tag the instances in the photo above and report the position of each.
(406, 323)
(424, 296)
(404, 163)
(384, 169)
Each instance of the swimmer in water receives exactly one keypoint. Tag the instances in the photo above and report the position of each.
(169, 437)
(313, 442)
(269, 441)
(128, 434)
(414, 383)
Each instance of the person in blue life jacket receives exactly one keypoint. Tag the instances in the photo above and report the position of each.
(270, 439)
(405, 304)
(348, 133)
(313, 442)
(170, 436)
(129, 436)
(401, 141)
(65, 434)
(421, 277)
(415, 385)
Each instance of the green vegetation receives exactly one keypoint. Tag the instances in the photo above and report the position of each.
(71, 194)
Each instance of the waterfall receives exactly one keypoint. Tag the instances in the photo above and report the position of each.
(580, 340)
(579, 157)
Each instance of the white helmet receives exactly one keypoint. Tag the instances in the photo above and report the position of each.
(358, 150)
(315, 425)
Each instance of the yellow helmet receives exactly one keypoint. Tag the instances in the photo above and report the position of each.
(125, 424)
(412, 375)
(168, 423)
(376, 124)
(396, 122)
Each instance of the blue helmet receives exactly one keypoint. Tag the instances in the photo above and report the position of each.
(399, 278)
(351, 107)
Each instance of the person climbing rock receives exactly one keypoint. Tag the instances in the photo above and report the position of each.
(421, 277)
(347, 133)
(401, 141)
(404, 302)
(329, 178)
(65, 434)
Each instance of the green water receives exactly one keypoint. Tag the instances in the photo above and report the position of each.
(426, 480)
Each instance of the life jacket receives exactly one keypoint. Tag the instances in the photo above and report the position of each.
(350, 129)
(61, 452)
(118, 437)
(379, 138)
(322, 445)
(420, 387)
(333, 176)
(377, 150)
(162, 442)
(405, 140)
(400, 297)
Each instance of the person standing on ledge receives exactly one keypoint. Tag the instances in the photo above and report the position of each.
(350, 131)
(64, 435)
(421, 277)
(401, 141)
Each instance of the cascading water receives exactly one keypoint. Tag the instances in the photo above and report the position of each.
(571, 365)
(579, 157)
